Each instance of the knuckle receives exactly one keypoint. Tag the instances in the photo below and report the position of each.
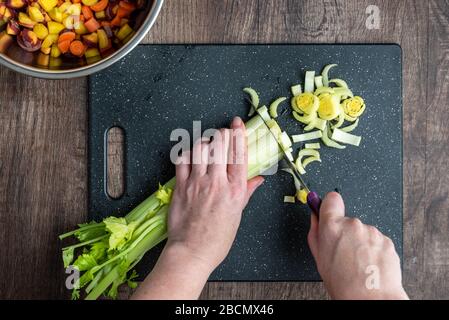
(332, 229)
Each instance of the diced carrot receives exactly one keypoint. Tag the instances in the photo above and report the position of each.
(92, 25)
(87, 13)
(64, 46)
(122, 12)
(100, 5)
(76, 1)
(105, 23)
(77, 48)
(127, 5)
(67, 36)
(116, 21)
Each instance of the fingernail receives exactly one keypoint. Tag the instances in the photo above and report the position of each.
(237, 122)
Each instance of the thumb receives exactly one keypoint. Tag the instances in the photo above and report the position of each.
(312, 237)
(252, 185)
(332, 208)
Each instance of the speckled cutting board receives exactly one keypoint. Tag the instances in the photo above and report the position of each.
(158, 88)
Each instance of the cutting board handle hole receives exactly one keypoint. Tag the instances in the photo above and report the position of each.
(115, 162)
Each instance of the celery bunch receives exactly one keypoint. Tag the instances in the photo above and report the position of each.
(107, 251)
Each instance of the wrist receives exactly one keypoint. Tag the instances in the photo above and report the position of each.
(186, 258)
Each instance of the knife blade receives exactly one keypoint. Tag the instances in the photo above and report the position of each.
(313, 199)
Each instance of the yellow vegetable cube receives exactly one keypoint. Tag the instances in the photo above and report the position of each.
(80, 28)
(45, 50)
(36, 14)
(47, 5)
(55, 52)
(124, 32)
(92, 52)
(55, 14)
(100, 15)
(55, 27)
(41, 31)
(49, 41)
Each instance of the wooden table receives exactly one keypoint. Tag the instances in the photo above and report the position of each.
(43, 149)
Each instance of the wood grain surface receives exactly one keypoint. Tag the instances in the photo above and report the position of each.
(43, 160)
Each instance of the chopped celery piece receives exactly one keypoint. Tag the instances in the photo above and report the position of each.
(309, 160)
(328, 142)
(299, 166)
(306, 119)
(319, 81)
(325, 74)
(263, 112)
(296, 90)
(312, 145)
(309, 153)
(295, 107)
(310, 126)
(289, 199)
(344, 137)
(349, 118)
(343, 92)
(284, 141)
(254, 100)
(309, 83)
(320, 124)
(329, 107)
(307, 102)
(341, 119)
(350, 127)
(289, 155)
(274, 106)
(324, 90)
(307, 136)
(340, 83)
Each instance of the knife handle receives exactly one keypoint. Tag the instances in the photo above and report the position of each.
(314, 202)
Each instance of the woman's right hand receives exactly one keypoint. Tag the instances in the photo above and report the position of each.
(355, 261)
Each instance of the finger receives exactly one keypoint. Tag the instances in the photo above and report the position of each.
(218, 153)
(332, 208)
(200, 157)
(312, 237)
(183, 167)
(252, 185)
(238, 158)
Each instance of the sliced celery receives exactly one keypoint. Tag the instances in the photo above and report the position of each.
(274, 106)
(319, 81)
(309, 83)
(306, 119)
(254, 100)
(340, 83)
(309, 160)
(312, 145)
(307, 136)
(325, 74)
(328, 142)
(296, 90)
(350, 127)
(347, 138)
(289, 199)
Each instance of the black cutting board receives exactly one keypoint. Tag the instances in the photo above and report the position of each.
(158, 88)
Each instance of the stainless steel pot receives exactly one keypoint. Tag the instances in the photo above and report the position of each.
(20, 61)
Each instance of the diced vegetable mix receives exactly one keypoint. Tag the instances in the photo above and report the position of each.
(86, 29)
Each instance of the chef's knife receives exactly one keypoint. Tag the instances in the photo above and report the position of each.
(313, 199)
